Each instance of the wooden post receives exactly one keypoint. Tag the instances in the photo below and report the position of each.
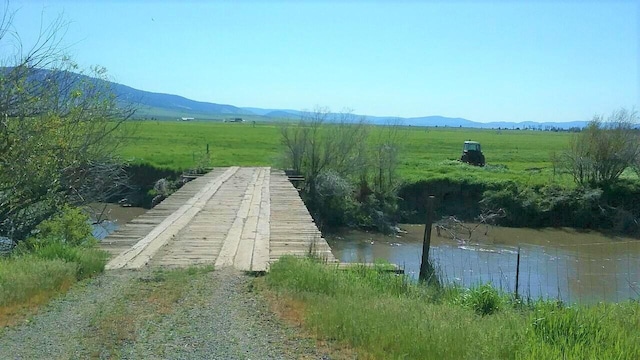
(207, 149)
(425, 269)
(517, 272)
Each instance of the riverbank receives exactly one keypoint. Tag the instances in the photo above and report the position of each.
(614, 208)
(384, 316)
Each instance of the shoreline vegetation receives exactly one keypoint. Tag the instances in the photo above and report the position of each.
(384, 316)
(60, 254)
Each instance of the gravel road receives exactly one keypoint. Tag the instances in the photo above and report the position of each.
(217, 316)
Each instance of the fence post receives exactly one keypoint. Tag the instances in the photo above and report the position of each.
(207, 149)
(517, 272)
(425, 269)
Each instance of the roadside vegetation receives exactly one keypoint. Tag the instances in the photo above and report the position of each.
(385, 316)
(60, 253)
(59, 134)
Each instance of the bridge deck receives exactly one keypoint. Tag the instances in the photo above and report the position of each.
(237, 216)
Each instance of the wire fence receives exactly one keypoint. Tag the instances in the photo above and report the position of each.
(581, 273)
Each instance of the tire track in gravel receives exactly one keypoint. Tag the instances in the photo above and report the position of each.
(215, 316)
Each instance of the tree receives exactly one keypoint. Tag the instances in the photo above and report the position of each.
(59, 131)
(385, 152)
(339, 153)
(600, 153)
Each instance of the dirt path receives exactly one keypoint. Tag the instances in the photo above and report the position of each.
(154, 314)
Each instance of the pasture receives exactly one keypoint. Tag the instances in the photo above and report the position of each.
(426, 153)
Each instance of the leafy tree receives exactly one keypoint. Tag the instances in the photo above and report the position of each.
(59, 129)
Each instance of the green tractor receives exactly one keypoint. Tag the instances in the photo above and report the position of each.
(472, 153)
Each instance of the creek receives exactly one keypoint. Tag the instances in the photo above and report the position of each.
(111, 216)
(555, 263)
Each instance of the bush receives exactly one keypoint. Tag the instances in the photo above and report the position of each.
(612, 207)
(333, 202)
(89, 262)
(70, 226)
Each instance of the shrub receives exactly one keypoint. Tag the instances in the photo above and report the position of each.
(333, 199)
(70, 226)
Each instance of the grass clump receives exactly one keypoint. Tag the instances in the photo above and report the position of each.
(484, 299)
(603, 331)
(88, 261)
(384, 316)
(29, 276)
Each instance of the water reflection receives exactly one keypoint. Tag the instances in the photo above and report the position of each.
(111, 216)
(561, 264)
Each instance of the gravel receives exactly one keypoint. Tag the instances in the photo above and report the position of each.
(219, 317)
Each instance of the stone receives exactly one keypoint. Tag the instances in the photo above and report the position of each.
(6, 245)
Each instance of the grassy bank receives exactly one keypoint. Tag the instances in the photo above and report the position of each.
(383, 316)
(61, 253)
(32, 279)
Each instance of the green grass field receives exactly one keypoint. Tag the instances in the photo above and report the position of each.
(427, 153)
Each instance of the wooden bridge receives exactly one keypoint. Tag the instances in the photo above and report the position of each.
(237, 216)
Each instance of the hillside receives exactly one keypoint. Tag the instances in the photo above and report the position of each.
(169, 107)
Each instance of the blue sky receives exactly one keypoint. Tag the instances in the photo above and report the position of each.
(484, 61)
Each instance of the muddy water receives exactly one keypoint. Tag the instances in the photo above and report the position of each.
(563, 264)
(111, 216)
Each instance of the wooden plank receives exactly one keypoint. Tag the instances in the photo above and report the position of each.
(242, 260)
(163, 232)
(230, 246)
(260, 261)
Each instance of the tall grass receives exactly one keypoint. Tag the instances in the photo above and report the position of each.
(30, 281)
(384, 316)
(88, 261)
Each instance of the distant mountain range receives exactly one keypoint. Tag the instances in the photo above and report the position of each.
(167, 106)
(173, 102)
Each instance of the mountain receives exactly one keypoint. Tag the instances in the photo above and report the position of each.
(168, 106)
(172, 102)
